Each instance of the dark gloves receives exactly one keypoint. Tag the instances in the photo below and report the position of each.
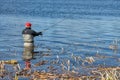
(40, 33)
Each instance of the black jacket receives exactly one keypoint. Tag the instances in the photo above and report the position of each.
(30, 31)
(29, 34)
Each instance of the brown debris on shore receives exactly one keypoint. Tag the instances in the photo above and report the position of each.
(100, 74)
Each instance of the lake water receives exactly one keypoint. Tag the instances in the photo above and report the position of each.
(71, 28)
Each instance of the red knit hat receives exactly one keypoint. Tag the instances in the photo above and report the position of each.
(28, 24)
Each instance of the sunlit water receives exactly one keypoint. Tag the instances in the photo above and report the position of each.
(70, 28)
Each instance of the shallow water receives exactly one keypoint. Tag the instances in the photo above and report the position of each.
(82, 28)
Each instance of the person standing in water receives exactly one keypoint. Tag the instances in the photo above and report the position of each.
(28, 37)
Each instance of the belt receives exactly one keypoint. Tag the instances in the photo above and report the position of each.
(28, 41)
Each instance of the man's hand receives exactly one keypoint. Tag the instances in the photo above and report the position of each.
(40, 33)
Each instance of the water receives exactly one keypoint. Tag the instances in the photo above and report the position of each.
(81, 28)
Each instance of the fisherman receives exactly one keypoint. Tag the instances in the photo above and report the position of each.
(28, 37)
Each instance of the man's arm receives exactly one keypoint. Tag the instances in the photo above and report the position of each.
(36, 33)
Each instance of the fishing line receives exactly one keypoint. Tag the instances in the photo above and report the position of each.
(53, 25)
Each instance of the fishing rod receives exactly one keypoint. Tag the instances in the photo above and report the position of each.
(53, 25)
